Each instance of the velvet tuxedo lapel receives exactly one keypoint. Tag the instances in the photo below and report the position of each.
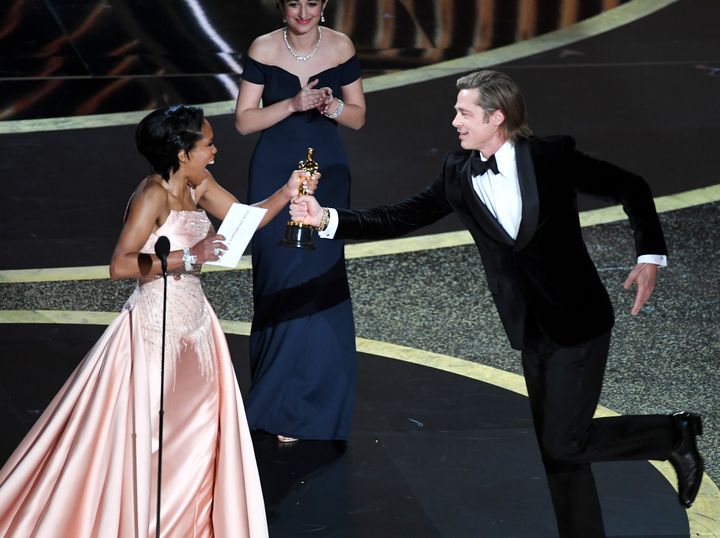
(528, 192)
(485, 219)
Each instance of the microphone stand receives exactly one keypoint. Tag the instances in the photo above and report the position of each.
(162, 249)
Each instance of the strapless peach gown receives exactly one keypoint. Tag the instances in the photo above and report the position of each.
(88, 467)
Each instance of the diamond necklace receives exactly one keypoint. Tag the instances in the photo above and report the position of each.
(295, 54)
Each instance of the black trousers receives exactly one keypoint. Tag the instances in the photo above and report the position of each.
(564, 385)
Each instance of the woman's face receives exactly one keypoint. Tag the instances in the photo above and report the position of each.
(302, 15)
(201, 155)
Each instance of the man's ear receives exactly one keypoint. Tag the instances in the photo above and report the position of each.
(497, 118)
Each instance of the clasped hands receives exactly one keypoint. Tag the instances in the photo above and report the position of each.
(304, 208)
(310, 97)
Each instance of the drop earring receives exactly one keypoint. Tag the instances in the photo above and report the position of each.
(322, 16)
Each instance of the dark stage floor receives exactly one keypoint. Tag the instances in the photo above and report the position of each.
(432, 454)
(441, 444)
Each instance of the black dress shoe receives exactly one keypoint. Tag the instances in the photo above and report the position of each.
(685, 457)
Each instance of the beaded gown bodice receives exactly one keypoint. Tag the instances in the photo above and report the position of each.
(187, 317)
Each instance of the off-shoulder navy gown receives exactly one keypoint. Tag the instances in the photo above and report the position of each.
(302, 344)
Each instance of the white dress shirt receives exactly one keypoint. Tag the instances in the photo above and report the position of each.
(501, 192)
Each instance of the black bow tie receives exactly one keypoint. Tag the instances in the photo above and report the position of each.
(479, 167)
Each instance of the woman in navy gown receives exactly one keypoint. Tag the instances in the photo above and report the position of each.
(308, 79)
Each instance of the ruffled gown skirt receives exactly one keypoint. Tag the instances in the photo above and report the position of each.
(88, 467)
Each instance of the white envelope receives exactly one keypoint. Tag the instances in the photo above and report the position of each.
(238, 228)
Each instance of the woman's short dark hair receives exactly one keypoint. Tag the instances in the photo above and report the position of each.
(165, 132)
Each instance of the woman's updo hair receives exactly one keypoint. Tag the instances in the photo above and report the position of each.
(164, 133)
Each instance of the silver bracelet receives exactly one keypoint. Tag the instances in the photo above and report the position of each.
(188, 259)
(338, 109)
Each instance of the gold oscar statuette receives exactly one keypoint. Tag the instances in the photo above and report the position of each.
(297, 234)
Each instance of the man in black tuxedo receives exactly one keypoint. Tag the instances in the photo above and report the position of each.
(517, 196)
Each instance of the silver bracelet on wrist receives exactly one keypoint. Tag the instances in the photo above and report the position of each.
(338, 109)
(324, 219)
(188, 259)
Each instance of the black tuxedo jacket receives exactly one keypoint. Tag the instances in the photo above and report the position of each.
(546, 272)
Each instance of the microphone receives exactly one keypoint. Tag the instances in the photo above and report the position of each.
(162, 249)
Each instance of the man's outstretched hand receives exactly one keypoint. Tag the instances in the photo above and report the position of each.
(306, 210)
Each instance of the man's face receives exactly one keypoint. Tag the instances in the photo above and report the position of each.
(477, 129)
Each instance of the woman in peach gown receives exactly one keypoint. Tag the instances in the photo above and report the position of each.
(88, 467)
